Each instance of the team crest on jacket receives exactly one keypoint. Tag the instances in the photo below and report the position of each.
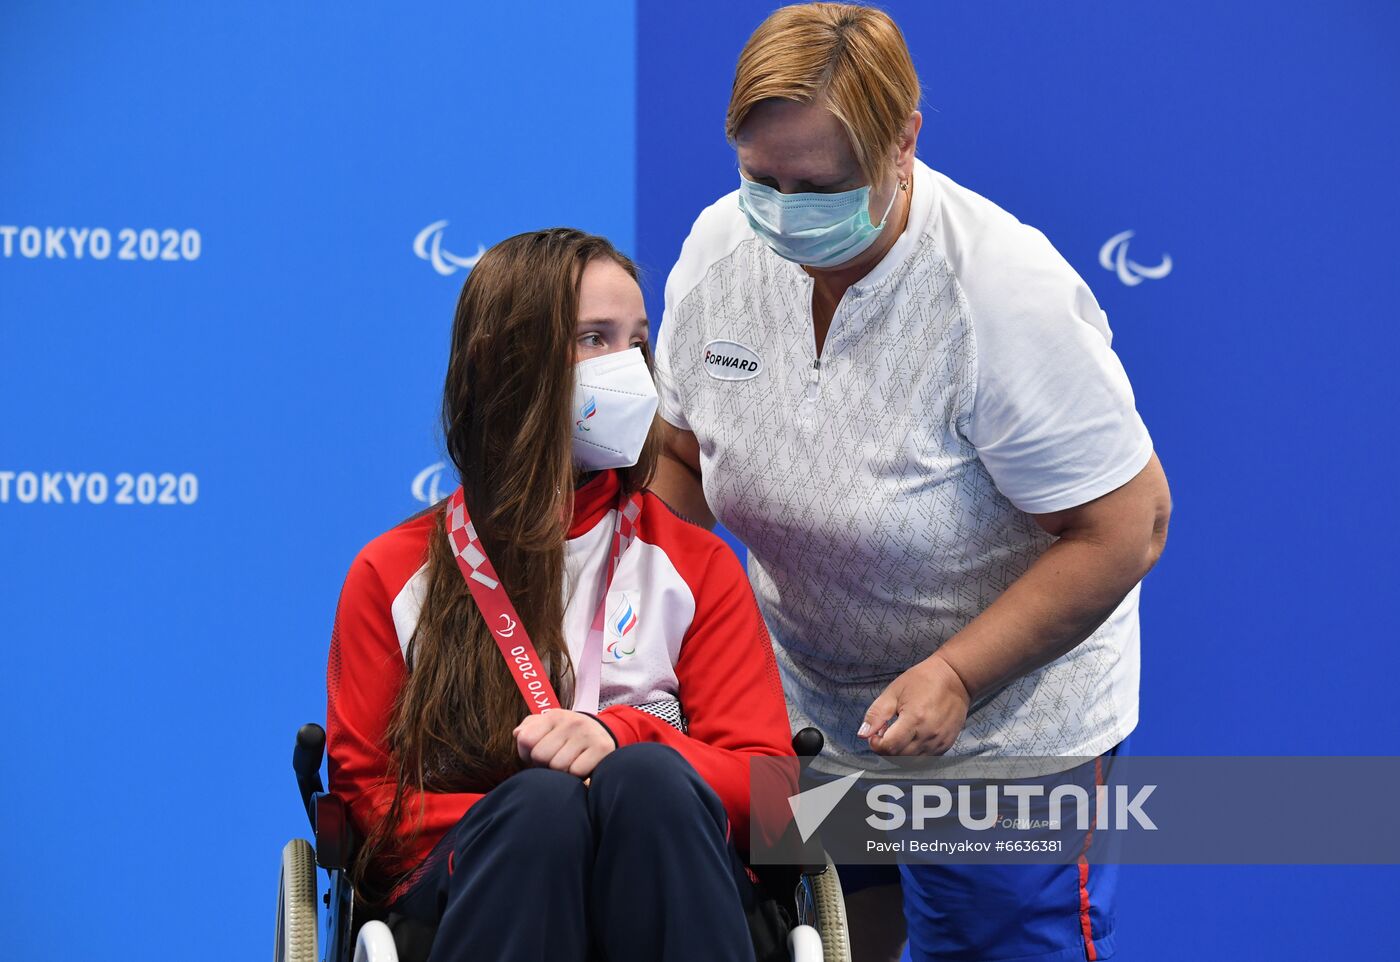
(731, 361)
(622, 629)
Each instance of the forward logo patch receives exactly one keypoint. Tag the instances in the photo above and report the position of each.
(731, 361)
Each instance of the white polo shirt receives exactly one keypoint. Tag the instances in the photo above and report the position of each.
(884, 491)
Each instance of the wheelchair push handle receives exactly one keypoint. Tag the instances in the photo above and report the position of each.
(807, 744)
(306, 762)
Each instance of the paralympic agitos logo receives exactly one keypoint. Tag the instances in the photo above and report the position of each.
(428, 246)
(1113, 256)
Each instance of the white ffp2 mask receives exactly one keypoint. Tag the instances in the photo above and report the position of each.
(614, 402)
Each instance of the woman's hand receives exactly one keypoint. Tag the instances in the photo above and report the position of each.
(930, 701)
(566, 741)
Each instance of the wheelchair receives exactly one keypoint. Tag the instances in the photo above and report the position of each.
(350, 930)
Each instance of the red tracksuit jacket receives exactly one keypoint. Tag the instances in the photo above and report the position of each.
(687, 658)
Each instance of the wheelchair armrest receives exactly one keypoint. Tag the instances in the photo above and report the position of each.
(335, 836)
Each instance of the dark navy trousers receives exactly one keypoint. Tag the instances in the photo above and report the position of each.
(634, 867)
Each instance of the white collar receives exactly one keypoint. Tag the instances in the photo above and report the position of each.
(921, 206)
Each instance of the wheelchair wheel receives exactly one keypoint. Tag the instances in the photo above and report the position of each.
(831, 915)
(296, 904)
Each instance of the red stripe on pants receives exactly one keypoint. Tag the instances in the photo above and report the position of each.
(1090, 952)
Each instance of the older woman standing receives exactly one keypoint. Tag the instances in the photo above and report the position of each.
(904, 402)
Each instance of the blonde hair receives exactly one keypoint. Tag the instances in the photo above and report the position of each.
(852, 55)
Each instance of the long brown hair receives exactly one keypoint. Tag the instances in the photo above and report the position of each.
(507, 410)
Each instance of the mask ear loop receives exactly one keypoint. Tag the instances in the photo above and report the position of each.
(903, 185)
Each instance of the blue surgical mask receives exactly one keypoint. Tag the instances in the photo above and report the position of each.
(818, 230)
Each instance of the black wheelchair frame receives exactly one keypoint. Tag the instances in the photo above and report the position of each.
(335, 842)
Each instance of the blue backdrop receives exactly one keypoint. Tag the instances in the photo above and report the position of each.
(158, 657)
(1255, 145)
(230, 244)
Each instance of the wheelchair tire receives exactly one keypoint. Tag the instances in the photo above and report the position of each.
(831, 915)
(296, 904)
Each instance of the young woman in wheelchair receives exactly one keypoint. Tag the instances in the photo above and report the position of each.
(607, 828)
